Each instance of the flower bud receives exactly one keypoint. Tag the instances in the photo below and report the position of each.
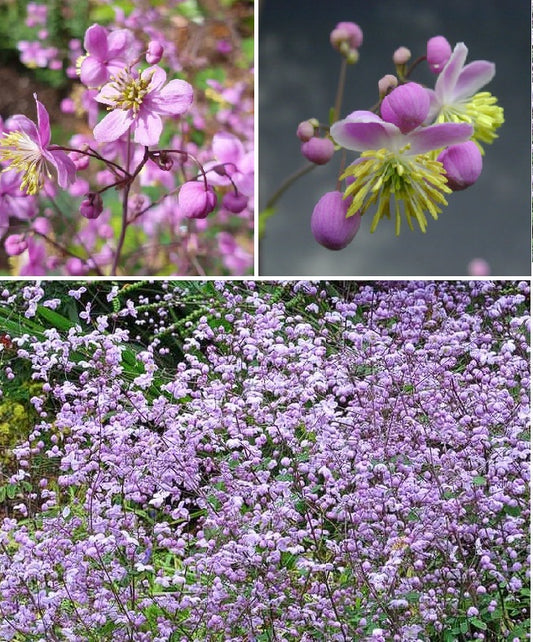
(195, 201)
(438, 53)
(15, 244)
(329, 224)
(386, 84)
(347, 32)
(318, 150)
(462, 164)
(235, 202)
(401, 56)
(154, 53)
(478, 267)
(406, 106)
(92, 205)
(305, 131)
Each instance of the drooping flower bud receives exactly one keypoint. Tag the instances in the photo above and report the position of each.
(92, 205)
(406, 106)
(463, 164)
(318, 150)
(401, 56)
(154, 53)
(438, 53)
(329, 224)
(305, 131)
(195, 201)
(386, 84)
(15, 244)
(348, 32)
(234, 202)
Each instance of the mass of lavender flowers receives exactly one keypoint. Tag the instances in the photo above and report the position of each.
(317, 461)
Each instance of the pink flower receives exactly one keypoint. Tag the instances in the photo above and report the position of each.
(318, 150)
(236, 161)
(27, 149)
(139, 102)
(107, 54)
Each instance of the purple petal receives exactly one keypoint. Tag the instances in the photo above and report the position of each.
(174, 99)
(95, 42)
(117, 42)
(445, 85)
(148, 128)
(112, 126)
(93, 73)
(66, 170)
(227, 149)
(436, 136)
(23, 124)
(434, 107)
(361, 136)
(474, 76)
(43, 123)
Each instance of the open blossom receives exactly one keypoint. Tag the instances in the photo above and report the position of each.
(394, 165)
(139, 101)
(107, 54)
(27, 149)
(456, 97)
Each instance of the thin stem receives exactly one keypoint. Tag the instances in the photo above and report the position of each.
(340, 90)
(125, 221)
(288, 182)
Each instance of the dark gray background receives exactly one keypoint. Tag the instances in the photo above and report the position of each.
(298, 77)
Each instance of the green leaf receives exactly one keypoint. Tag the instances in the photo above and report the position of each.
(479, 481)
(11, 491)
(479, 624)
(58, 321)
(2, 494)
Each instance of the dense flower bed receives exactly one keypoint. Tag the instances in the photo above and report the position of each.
(323, 462)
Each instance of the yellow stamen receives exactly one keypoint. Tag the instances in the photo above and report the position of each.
(418, 181)
(25, 156)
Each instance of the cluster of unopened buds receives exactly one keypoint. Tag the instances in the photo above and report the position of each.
(124, 77)
(416, 145)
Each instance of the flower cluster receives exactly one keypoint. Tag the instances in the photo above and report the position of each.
(157, 138)
(416, 146)
(291, 461)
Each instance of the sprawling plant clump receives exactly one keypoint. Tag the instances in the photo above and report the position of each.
(317, 461)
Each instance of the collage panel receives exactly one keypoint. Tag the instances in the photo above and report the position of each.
(272, 460)
(127, 138)
(378, 117)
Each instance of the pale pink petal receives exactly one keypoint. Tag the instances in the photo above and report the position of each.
(157, 77)
(112, 126)
(43, 123)
(148, 128)
(425, 139)
(95, 42)
(227, 148)
(361, 136)
(474, 76)
(445, 85)
(107, 95)
(174, 99)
